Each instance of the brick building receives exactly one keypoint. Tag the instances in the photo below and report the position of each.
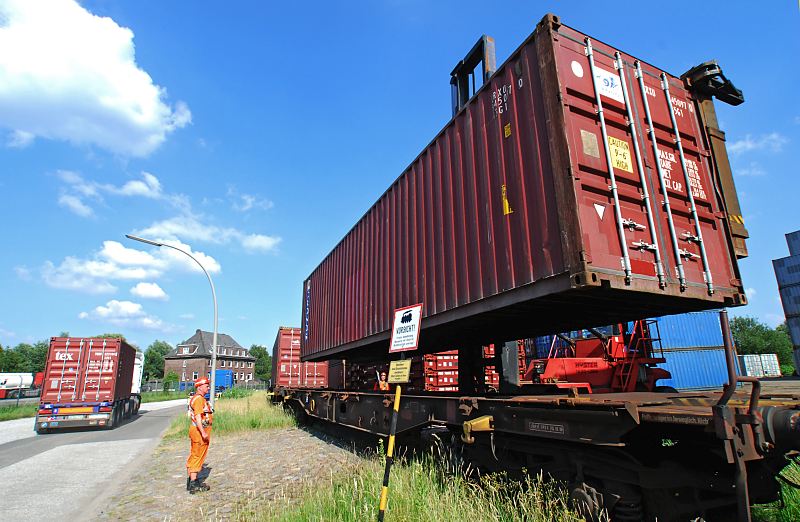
(192, 358)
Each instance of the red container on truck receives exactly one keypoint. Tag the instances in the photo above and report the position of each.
(574, 177)
(87, 382)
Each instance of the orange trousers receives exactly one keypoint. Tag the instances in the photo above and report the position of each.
(199, 449)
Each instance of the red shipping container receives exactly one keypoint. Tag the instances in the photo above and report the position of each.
(314, 374)
(506, 227)
(84, 370)
(287, 370)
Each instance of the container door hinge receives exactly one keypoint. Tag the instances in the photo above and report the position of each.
(690, 255)
(484, 423)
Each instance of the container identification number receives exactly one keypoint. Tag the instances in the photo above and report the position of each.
(500, 98)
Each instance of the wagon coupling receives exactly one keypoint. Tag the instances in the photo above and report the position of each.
(484, 423)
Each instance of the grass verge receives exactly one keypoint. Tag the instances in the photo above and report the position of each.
(163, 396)
(419, 490)
(252, 412)
(790, 512)
(18, 412)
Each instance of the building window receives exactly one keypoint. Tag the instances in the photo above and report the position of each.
(183, 376)
(184, 364)
(249, 365)
(222, 364)
(209, 362)
(194, 376)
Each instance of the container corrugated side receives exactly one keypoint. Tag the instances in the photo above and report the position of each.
(787, 271)
(770, 365)
(504, 226)
(793, 240)
(695, 369)
(88, 370)
(287, 370)
(750, 365)
(793, 324)
(690, 330)
(790, 297)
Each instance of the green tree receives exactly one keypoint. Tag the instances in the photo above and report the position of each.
(754, 337)
(11, 361)
(154, 359)
(263, 366)
(111, 336)
(171, 380)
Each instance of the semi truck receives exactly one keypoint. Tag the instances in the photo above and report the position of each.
(14, 385)
(88, 382)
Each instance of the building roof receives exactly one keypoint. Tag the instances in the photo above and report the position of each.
(203, 341)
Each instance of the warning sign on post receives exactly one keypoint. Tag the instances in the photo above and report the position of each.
(405, 328)
(399, 371)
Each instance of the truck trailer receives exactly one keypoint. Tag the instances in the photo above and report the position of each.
(87, 382)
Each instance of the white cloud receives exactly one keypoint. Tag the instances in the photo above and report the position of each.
(178, 259)
(7, 333)
(190, 228)
(117, 253)
(66, 74)
(774, 320)
(75, 205)
(23, 272)
(149, 187)
(186, 316)
(70, 275)
(114, 262)
(77, 191)
(752, 170)
(246, 202)
(772, 142)
(750, 293)
(19, 139)
(149, 291)
(259, 242)
(126, 314)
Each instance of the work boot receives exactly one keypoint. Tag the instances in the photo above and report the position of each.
(188, 481)
(197, 487)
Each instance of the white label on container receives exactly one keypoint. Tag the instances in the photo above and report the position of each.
(608, 84)
(577, 69)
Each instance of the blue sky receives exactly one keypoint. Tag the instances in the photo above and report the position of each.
(257, 134)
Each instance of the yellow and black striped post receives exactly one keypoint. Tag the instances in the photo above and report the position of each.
(389, 455)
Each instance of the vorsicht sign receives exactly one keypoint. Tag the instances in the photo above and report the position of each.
(405, 329)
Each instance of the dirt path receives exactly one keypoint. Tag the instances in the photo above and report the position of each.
(244, 469)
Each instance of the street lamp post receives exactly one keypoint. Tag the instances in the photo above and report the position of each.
(213, 295)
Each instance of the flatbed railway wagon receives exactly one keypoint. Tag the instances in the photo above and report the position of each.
(88, 382)
(577, 187)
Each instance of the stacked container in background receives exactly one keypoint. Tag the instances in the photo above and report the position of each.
(693, 347)
(760, 365)
(287, 370)
(441, 371)
(787, 272)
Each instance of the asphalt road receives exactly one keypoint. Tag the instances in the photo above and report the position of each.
(22, 400)
(65, 475)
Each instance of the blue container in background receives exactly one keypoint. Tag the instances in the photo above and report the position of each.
(224, 379)
(696, 369)
(690, 330)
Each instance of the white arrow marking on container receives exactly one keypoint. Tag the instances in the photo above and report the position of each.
(601, 210)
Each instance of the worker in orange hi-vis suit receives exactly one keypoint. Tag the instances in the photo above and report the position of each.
(201, 416)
